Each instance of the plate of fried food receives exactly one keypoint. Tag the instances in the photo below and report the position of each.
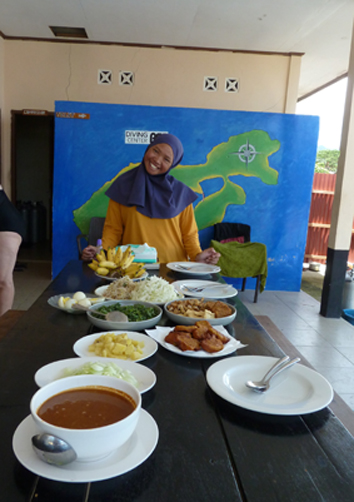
(198, 340)
(190, 310)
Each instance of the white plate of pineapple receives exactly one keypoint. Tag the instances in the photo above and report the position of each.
(114, 264)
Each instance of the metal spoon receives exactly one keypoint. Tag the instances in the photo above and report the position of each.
(53, 450)
(114, 316)
(264, 384)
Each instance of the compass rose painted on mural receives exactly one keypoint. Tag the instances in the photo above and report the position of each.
(246, 153)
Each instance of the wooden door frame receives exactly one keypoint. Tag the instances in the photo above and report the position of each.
(36, 113)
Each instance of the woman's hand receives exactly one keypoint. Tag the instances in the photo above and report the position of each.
(209, 256)
(89, 253)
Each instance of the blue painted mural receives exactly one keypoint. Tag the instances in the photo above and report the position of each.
(254, 168)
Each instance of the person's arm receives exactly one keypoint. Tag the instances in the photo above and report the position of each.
(113, 227)
(189, 232)
(191, 239)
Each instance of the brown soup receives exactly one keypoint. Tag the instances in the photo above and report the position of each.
(86, 407)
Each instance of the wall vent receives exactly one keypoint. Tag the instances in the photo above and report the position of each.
(126, 78)
(105, 77)
(231, 85)
(210, 84)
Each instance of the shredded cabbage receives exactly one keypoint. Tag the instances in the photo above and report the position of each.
(100, 368)
(154, 289)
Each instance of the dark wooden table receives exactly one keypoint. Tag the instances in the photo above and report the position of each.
(208, 451)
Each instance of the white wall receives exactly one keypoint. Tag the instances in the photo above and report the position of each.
(36, 74)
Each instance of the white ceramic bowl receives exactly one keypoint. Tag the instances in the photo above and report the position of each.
(89, 444)
(217, 321)
(131, 326)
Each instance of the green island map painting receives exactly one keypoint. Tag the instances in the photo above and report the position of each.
(246, 167)
(244, 155)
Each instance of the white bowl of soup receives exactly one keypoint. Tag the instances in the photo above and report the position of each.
(95, 414)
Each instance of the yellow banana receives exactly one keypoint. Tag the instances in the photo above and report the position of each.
(118, 256)
(93, 265)
(110, 254)
(126, 253)
(108, 264)
(134, 267)
(140, 272)
(99, 257)
(102, 271)
(126, 262)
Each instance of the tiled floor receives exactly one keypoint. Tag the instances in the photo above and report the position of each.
(328, 344)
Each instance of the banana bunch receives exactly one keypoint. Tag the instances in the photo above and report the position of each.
(116, 263)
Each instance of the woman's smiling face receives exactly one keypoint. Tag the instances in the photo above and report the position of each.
(158, 159)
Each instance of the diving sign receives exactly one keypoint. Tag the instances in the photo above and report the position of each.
(141, 137)
(71, 115)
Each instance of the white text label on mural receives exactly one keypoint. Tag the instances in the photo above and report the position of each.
(141, 137)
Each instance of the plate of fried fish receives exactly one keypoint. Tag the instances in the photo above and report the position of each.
(198, 340)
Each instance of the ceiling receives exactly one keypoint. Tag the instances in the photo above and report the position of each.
(320, 29)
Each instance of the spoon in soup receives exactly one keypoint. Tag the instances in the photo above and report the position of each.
(52, 449)
(114, 316)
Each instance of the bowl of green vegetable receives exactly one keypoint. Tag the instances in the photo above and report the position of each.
(141, 315)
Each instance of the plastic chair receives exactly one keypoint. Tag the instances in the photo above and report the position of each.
(95, 233)
(234, 231)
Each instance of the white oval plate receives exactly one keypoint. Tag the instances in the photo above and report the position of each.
(54, 370)
(81, 346)
(129, 456)
(53, 302)
(101, 290)
(217, 290)
(193, 267)
(144, 276)
(160, 332)
(296, 391)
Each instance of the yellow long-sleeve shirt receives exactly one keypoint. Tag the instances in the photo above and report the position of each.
(176, 239)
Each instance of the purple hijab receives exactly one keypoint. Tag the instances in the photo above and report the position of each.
(156, 196)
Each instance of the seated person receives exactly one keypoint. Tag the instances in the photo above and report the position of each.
(148, 205)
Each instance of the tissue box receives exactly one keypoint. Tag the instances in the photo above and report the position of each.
(143, 253)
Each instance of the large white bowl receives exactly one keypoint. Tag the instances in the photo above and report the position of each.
(89, 444)
(131, 326)
(181, 319)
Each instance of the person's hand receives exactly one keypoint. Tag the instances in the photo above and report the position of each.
(89, 253)
(209, 256)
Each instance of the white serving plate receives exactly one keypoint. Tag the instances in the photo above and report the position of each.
(53, 302)
(193, 267)
(81, 346)
(144, 276)
(126, 458)
(160, 332)
(132, 325)
(102, 289)
(296, 391)
(180, 319)
(216, 290)
(52, 371)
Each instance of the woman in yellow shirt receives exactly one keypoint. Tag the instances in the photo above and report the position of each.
(148, 205)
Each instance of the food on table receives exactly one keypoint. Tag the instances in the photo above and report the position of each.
(87, 407)
(67, 302)
(153, 289)
(200, 308)
(116, 263)
(201, 336)
(135, 313)
(119, 346)
(100, 368)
